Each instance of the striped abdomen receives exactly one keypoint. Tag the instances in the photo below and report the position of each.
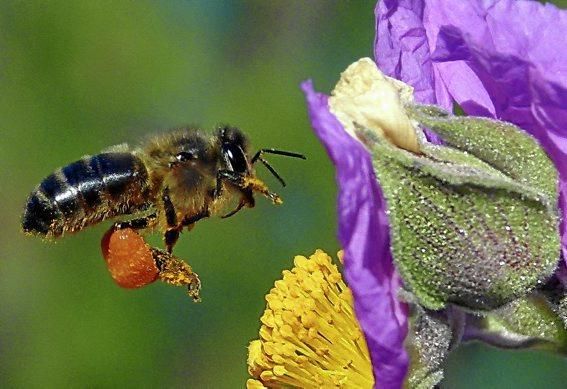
(87, 192)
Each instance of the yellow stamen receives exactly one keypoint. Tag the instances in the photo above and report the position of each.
(309, 336)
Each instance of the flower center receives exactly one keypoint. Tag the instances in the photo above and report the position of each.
(309, 335)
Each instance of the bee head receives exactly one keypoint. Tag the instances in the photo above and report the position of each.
(234, 146)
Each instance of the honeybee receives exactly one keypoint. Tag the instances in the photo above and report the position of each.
(169, 182)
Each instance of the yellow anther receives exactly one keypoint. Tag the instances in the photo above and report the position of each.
(309, 319)
(254, 384)
(279, 370)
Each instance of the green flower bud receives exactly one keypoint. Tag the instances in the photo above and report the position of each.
(473, 223)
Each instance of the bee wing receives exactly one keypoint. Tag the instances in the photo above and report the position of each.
(119, 148)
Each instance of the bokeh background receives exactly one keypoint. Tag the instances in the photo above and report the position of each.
(76, 77)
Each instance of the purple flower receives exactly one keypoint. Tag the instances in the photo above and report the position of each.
(503, 59)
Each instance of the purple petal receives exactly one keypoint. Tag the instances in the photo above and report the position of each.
(402, 52)
(364, 235)
(505, 59)
(401, 49)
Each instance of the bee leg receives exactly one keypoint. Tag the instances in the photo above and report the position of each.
(174, 271)
(230, 176)
(136, 224)
(172, 234)
(240, 205)
(239, 181)
(170, 237)
(189, 221)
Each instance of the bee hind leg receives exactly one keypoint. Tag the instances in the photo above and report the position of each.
(174, 271)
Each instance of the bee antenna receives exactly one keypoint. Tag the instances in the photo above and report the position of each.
(278, 152)
(258, 157)
(272, 170)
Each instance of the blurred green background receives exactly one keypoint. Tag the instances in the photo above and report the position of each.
(76, 77)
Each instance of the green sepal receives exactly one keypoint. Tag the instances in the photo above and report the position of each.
(529, 322)
(503, 145)
(469, 230)
(428, 344)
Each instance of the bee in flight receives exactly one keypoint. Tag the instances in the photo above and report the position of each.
(168, 183)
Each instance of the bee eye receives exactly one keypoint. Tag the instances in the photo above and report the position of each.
(235, 157)
(184, 156)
